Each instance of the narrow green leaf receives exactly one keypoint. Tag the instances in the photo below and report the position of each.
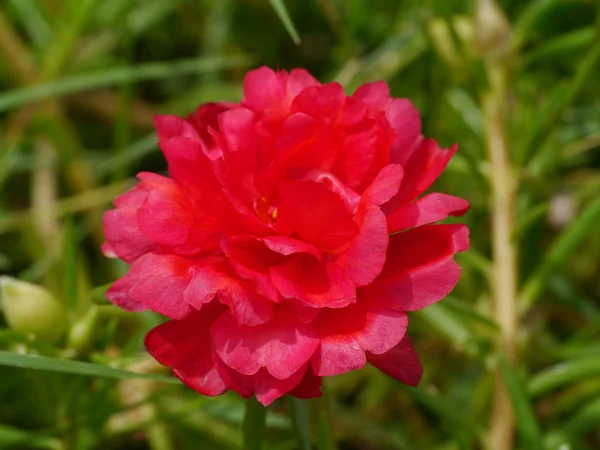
(527, 20)
(563, 373)
(566, 43)
(253, 428)
(75, 367)
(150, 71)
(11, 437)
(566, 243)
(301, 421)
(284, 16)
(442, 408)
(526, 423)
(586, 420)
(561, 97)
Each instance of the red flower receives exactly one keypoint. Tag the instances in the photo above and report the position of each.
(290, 239)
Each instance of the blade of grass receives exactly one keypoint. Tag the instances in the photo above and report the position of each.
(76, 367)
(284, 16)
(253, 428)
(150, 71)
(566, 243)
(563, 373)
(301, 421)
(11, 437)
(440, 407)
(526, 423)
(559, 100)
(563, 44)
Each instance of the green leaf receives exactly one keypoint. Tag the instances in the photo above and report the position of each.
(442, 408)
(526, 423)
(75, 367)
(563, 44)
(253, 428)
(529, 17)
(301, 421)
(284, 16)
(563, 373)
(11, 437)
(84, 82)
(561, 97)
(566, 243)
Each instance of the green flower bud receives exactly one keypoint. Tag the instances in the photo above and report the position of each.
(29, 308)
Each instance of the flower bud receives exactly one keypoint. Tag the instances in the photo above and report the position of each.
(29, 308)
(492, 29)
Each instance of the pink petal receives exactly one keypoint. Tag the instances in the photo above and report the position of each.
(420, 269)
(123, 235)
(428, 209)
(300, 79)
(158, 281)
(189, 165)
(167, 215)
(316, 284)
(347, 333)
(282, 345)
(266, 387)
(185, 346)
(168, 127)
(118, 294)
(265, 89)
(365, 256)
(251, 260)
(206, 118)
(425, 165)
(244, 303)
(315, 214)
(288, 246)
(375, 95)
(385, 186)
(309, 387)
(406, 122)
(401, 363)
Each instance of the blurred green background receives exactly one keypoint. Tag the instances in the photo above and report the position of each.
(516, 83)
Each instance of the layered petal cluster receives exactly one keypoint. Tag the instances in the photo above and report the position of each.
(290, 238)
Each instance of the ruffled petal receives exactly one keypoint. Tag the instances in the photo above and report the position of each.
(317, 284)
(118, 295)
(365, 256)
(185, 346)
(423, 167)
(167, 215)
(375, 95)
(346, 334)
(123, 235)
(401, 363)
(431, 208)
(315, 214)
(247, 306)
(168, 127)
(282, 345)
(158, 281)
(420, 269)
(309, 387)
(405, 120)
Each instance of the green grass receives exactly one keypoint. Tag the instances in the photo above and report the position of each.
(79, 84)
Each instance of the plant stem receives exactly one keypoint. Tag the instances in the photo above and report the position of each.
(253, 428)
(504, 252)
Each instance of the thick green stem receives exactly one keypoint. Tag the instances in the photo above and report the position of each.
(253, 428)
